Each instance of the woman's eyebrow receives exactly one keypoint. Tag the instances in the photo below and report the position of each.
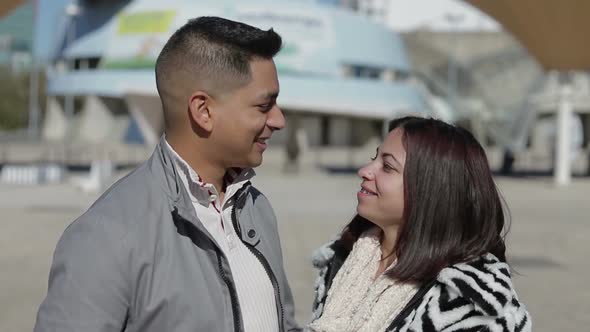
(386, 154)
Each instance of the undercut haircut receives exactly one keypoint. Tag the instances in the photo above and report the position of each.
(214, 53)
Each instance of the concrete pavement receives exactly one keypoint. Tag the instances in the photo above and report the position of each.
(548, 243)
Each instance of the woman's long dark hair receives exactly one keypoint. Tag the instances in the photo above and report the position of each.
(453, 211)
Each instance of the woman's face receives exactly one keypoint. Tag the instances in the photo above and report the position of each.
(381, 198)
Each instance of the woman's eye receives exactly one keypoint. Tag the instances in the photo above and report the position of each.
(388, 168)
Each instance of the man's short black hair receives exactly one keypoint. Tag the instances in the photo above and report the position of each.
(216, 52)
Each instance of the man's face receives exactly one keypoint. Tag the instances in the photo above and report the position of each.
(246, 117)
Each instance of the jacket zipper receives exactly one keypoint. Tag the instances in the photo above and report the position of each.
(232, 291)
(232, 294)
(262, 260)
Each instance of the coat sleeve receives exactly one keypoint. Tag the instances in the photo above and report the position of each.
(87, 284)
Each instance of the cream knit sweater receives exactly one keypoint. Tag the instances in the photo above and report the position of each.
(358, 302)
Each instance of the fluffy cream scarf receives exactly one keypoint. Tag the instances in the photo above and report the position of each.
(358, 302)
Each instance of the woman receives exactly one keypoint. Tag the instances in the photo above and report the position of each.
(425, 251)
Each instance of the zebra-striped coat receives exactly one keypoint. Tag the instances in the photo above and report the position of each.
(474, 296)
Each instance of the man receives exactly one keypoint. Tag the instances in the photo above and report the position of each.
(185, 242)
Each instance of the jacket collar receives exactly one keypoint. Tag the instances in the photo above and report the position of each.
(200, 191)
(163, 168)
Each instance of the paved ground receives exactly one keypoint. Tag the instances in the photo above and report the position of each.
(548, 244)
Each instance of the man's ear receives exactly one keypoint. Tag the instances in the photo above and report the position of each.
(199, 110)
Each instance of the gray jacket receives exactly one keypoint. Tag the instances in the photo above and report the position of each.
(140, 260)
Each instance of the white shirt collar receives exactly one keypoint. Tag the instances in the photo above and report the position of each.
(206, 193)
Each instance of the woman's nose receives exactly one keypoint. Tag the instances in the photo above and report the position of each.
(365, 172)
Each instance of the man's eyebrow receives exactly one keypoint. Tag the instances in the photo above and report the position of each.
(268, 95)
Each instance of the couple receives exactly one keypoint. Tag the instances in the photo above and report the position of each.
(186, 243)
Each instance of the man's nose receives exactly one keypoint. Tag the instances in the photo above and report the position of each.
(276, 118)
